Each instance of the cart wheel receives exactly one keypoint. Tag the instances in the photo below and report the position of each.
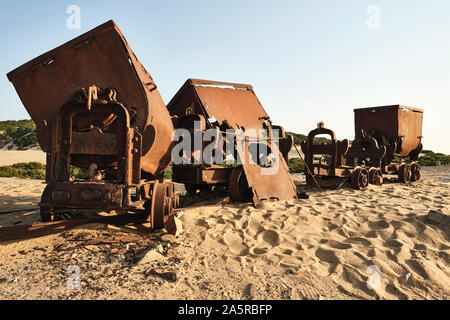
(375, 176)
(163, 203)
(44, 207)
(360, 178)
(239, 189)
(415, 172)
(404, 173)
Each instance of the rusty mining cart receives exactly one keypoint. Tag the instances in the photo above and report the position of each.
(382, 134)
(230, 106)
(399, 129)
(97, 108)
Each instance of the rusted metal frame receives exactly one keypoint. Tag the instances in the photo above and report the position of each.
(22, 232)
(86, 195)
(66, 124)
(200, 82)
(203, 170)
(285, 142)
(185, 174)
(256, 200)
(133, 143)
(252, 177)
(366, 148)
(307, 168)
(216, 175)
(136, 147)
(310, 149)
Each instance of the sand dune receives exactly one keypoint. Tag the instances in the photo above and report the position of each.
(9, 157)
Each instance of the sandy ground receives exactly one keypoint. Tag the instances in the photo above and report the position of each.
(327, 247)
(9, 157)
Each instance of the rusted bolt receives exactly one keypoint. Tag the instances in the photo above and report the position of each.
(135, 139)
(135, 150)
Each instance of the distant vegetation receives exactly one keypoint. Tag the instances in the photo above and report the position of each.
(296, 165)
(21, 132)
(299, 138)
(168, 173)
(35, 170)
(28, 170)
(432, 159)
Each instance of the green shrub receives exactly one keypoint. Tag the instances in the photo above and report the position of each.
(21, 132)
(28, 170)
(78, 173)
(26, 141)
(296, 165)
(432, 158)
(168, 173)
(299, 138)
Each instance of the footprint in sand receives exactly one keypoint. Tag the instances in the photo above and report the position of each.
(393, 243)
(359, 240)
(259, 251)
(336, 244)
(267, 216)
(254, 226)
(417, 267)
(271, 237)
(420, 246)
(326, 255)
(235, 244)
(377, 225)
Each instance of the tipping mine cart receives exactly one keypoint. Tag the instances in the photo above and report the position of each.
(381, 135)
(98, 109)
(231, 107)
(399, 129)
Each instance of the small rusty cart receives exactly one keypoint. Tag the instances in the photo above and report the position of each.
(399, 129)
(382, 135)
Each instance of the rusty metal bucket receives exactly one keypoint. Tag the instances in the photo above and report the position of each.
(234, 106)
(103, 58)
(392, 125)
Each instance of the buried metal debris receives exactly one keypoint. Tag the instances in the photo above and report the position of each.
(174, 226)
(169, 276)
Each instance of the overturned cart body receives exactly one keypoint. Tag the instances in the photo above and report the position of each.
(98, 109)
(233, 111)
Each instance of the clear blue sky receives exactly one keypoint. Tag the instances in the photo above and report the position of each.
(308, 61)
